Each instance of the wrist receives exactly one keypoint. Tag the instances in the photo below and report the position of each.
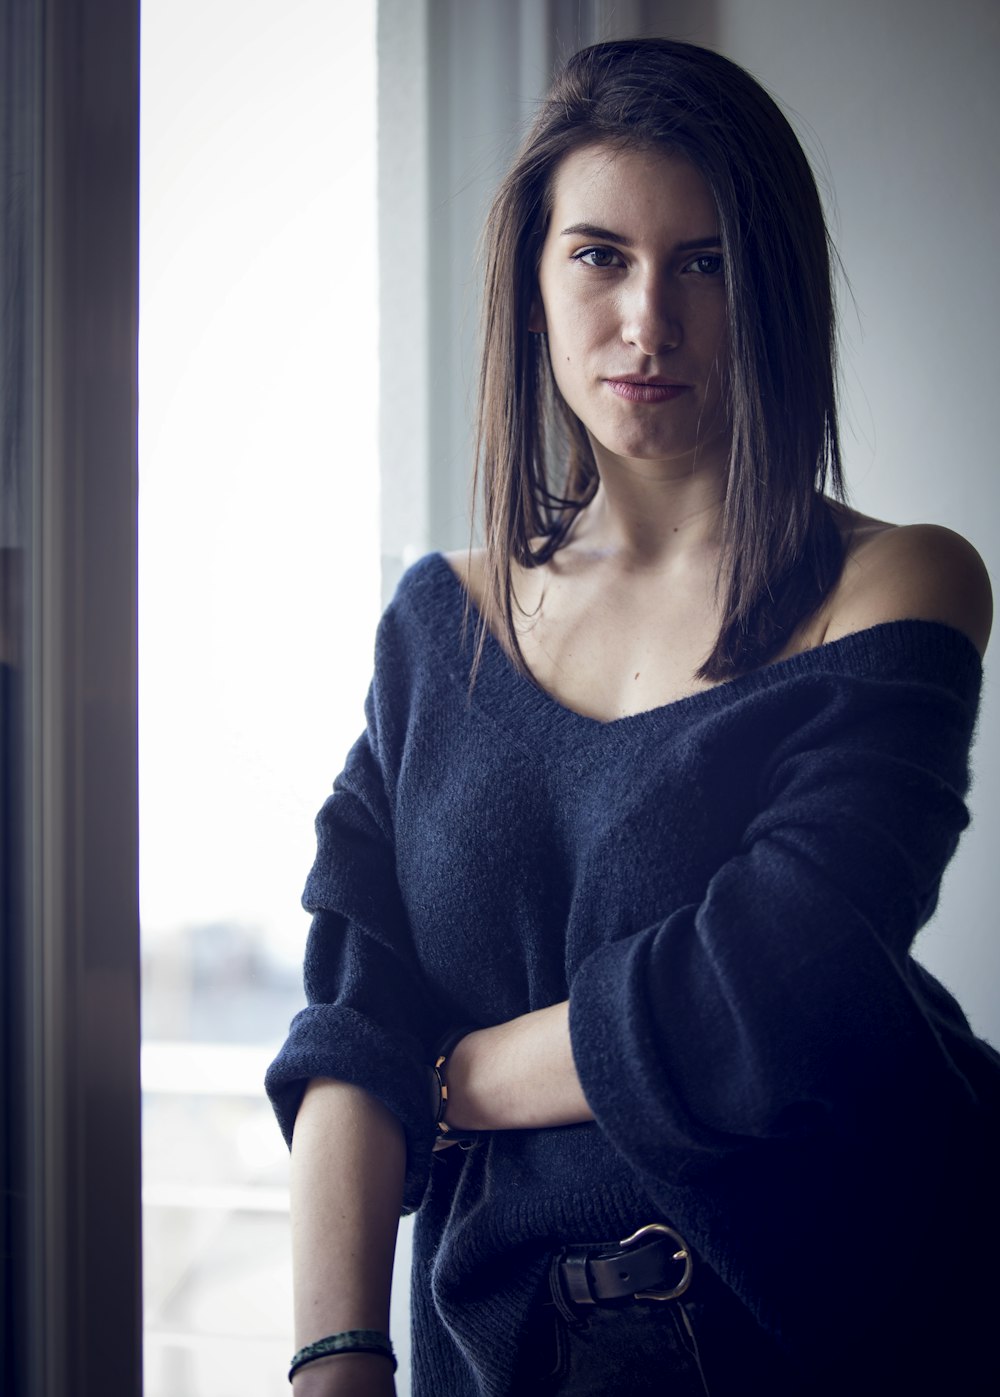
(345, 1343)
(447, 1103)
(517, 1075)
(462, 1114)
(346, 1375)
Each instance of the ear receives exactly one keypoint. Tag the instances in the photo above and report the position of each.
(536, 316)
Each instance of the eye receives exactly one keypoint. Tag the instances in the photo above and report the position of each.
(599, 257)
(708, 264)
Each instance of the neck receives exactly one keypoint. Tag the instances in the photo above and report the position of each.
(650, 514)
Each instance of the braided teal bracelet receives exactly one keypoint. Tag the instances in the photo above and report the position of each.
(348, 1341)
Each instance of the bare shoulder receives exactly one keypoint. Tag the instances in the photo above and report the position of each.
(921, 572)
(468, 565)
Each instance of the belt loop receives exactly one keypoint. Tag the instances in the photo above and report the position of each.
(569, 1284)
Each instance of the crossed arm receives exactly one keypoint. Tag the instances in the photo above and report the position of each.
(518, 1075)
(521, 1074)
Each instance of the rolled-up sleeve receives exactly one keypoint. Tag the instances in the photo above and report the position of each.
(367, 1015)
(785, 1000)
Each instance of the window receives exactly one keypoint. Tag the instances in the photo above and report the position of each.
(259, 595)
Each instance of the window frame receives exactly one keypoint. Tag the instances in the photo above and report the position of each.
(71, 1070)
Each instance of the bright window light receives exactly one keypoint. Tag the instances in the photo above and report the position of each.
(259, 594)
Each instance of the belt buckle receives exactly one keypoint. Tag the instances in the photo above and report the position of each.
(683, 1253)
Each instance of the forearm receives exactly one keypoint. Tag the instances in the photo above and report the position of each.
(348, 1161)
(518, 1075)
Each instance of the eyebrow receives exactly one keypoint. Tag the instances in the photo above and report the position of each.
(591, 230)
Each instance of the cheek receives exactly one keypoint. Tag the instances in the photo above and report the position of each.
(575, 330)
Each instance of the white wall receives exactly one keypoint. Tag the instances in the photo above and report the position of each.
(899, 106)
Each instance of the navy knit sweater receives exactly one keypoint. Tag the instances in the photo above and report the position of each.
(726, 889)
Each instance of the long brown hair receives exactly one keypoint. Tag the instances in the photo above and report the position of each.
(781, 549)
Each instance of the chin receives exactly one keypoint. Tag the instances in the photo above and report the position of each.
(687, 443)
(642, 448)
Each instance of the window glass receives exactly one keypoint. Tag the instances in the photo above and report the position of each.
(258, 602)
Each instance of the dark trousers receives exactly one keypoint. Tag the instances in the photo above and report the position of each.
(704, 1345)
(638, 1351)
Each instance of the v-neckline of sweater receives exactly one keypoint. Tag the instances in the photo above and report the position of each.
(524, 704)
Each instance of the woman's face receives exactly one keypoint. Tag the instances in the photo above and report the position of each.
(632, 296)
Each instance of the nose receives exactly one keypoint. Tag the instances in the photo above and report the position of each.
(651, 320)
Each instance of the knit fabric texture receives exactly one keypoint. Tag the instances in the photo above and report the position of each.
(726, 889)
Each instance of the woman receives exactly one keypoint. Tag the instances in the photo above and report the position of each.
(637, 860)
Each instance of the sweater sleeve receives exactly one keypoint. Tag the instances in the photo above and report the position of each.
(784, 1003)
(367, 1008)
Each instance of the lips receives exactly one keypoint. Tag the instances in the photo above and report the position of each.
(647, 390)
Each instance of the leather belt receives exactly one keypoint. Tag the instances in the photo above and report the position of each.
(653, 1264)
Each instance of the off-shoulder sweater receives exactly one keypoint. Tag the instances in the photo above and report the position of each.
(726, 889)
